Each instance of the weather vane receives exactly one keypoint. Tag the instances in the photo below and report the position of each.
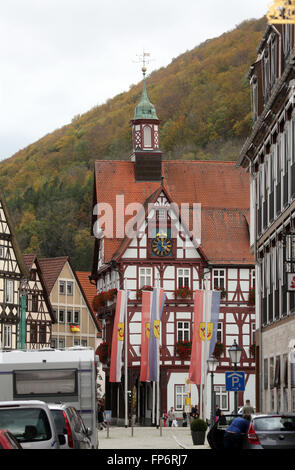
(144, 58)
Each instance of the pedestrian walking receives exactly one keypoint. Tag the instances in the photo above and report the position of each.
(234, 433)
(184, 421)
(171, 416)
(165, 417)
(247, 408)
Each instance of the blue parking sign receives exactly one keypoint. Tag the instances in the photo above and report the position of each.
(235, 381)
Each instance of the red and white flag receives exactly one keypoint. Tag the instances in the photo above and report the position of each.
(206, 313)
(145, 334)
(118, 336)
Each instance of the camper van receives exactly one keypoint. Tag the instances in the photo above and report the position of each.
(52, 376)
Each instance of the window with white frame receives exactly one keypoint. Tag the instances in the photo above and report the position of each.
(183, 277)
(70, 287)
(61, 343)
(77, 316)
(61, 316)
(145, 277)
(7, 336)
(180, 395)
(218, 278)
(221, 397)
(9, 290)
(219, 336)
(183, 331)
(62, 287)
(69, 316)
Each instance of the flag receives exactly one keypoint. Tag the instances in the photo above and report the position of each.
(118, 336)
(206, 313)
(158, 300)
(145, 334)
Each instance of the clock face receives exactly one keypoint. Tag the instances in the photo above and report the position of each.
(161, 245)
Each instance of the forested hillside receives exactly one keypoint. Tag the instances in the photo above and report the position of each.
(203, 101)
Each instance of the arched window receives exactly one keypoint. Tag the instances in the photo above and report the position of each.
(147, 136)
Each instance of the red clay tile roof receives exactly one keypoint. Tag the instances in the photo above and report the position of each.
(29, 260)
(89, 289)
(221, 188)
(89, 292)
(51, 269)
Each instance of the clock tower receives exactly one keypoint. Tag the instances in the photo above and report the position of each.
(146, 155)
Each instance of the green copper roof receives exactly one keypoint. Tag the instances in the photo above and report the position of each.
(145, 109)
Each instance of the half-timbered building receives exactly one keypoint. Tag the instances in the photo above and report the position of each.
(12, 271)
(181, 225)
(268, 156)
(39, 313)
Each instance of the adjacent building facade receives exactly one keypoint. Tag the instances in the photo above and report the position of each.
(76, 323)
(268, 156)
(182, 226)
(39, 313)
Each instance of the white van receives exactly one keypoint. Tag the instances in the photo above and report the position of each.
(32, 424)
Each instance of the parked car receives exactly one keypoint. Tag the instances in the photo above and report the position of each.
(8, 441)
(32, 424)
(266, 431)
(69, 422)
(271, 431)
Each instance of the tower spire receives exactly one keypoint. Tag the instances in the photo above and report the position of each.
(145, 134)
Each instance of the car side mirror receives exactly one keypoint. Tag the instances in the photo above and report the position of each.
(61, 439)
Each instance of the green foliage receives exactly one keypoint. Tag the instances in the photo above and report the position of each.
(198, 424)
(203, 100)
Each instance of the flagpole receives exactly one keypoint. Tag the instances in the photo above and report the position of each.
(126, 361)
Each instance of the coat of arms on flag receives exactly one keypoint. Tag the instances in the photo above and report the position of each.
(120, 331)
(157, 328)
(203, 331)
(147, 329)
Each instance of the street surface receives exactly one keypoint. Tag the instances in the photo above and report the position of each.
(147, 438)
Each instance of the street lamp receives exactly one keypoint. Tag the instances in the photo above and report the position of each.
(212, 363)
(235, 355)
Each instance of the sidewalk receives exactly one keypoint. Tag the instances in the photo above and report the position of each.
(147, 438)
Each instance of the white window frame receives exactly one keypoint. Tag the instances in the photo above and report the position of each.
(59, 315)
(219, 335)
(220, 278)
(62, 287)
(145, 277)
(7, 336)
(183, 277)
(9, 291)
(183, 329)
(221, 397)
(180, 395)
(147, 136)
(70, 287)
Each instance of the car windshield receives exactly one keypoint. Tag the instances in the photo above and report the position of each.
(27, 424)
(275, 423)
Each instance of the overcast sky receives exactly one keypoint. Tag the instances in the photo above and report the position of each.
(59, 58)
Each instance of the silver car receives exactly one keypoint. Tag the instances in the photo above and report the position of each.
(271, 431)
(68, 422)
(31, 423)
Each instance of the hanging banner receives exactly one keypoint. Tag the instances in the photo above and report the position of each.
(158, 300)
(206, 314)
(145, 334)
(118, 336)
